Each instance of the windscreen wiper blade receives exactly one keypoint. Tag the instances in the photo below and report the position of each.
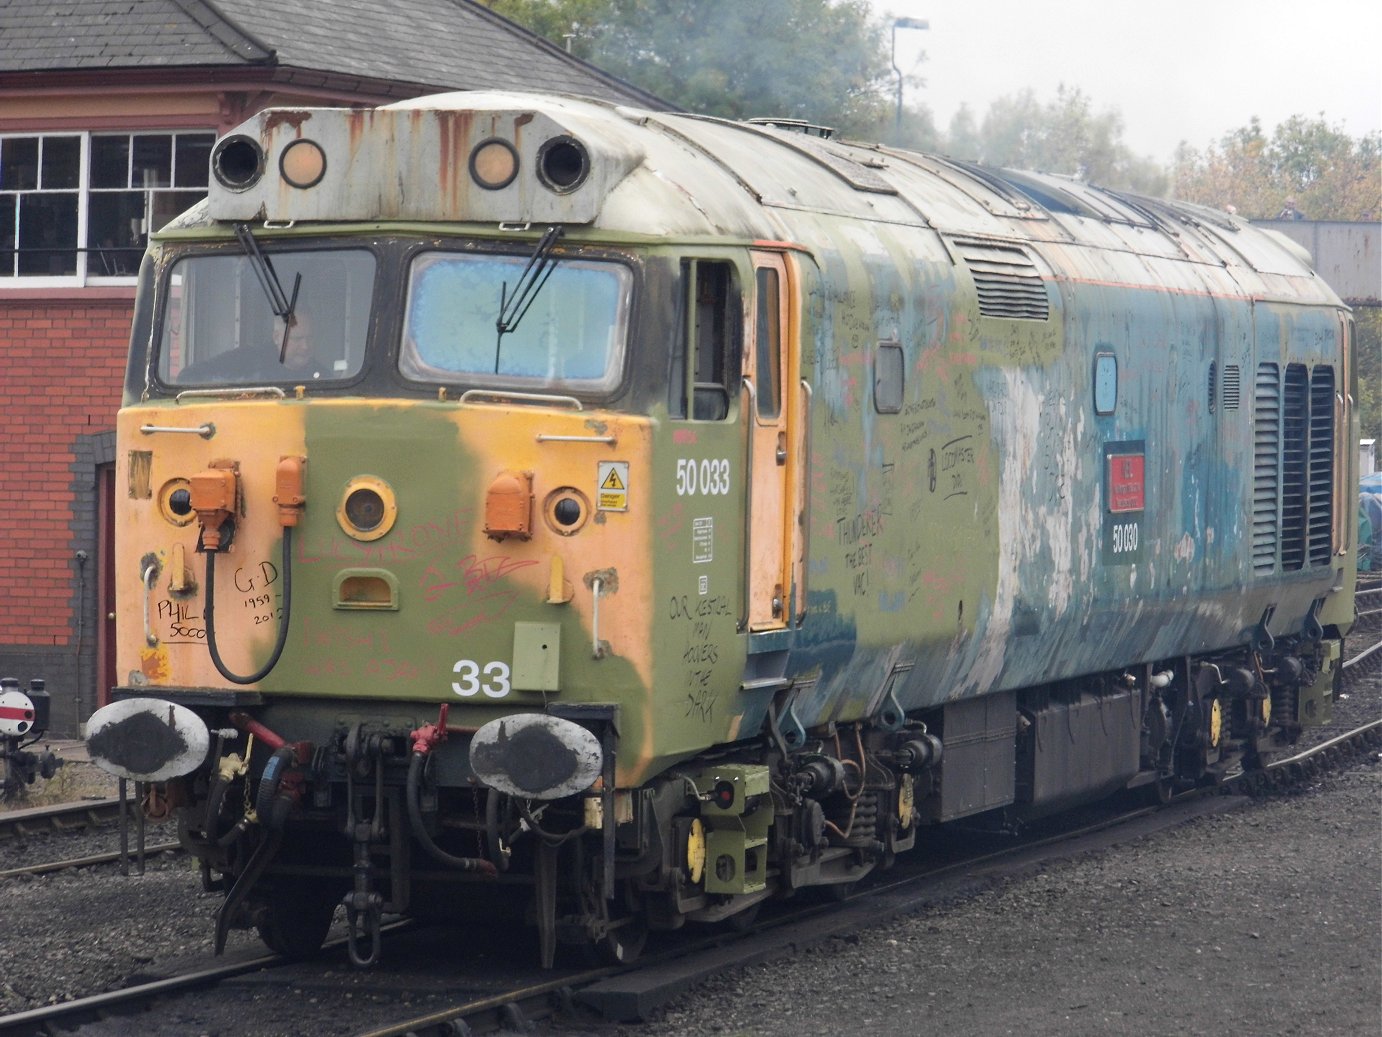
(280, 302)
(513, 308)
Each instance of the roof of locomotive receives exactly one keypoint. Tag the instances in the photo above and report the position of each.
(638, 173)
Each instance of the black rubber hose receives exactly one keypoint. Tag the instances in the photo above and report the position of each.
(268, 812)
(210, 611)
(420, 830)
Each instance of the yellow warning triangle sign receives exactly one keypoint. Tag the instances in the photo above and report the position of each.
(612, 481)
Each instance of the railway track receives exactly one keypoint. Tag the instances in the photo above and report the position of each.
(632, 993)
(487, 1003)
(77, 819)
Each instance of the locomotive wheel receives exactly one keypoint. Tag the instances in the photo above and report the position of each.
(296, 917)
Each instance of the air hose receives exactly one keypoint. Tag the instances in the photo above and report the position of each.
(414, 789)
(282, 640)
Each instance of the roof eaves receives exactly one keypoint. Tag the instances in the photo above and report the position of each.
(225, 32)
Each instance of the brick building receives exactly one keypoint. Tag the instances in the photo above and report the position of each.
(108, 109)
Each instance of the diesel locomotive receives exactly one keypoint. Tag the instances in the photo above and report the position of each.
(618, 518)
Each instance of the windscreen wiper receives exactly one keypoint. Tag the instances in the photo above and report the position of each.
(279, 301)
(513, 308)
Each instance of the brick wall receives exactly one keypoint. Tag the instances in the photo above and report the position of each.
(62, 362)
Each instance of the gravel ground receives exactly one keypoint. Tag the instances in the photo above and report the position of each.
(1263, 921)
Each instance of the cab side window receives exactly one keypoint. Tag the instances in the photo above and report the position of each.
(703, 365)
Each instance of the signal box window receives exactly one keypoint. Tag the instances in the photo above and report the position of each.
(702, 363)
(76, 206)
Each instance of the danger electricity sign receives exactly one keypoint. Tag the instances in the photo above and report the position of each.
(612, 487)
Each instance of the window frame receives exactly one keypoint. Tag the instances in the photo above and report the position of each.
(84, 267)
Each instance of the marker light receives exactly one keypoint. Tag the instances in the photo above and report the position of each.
(493, 164)
(303, 163)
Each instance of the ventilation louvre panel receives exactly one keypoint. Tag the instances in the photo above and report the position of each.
(1232, 388)
(1008, 281)
(1295, 446)
(1266, 468)
(1321, 520)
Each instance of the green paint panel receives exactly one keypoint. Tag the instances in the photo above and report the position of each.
(536, 656)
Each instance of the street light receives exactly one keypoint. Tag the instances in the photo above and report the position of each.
(902, 23)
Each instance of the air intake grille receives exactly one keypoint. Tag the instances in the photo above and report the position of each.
(1321, 520)
(1295, 445)
(1266, 471)
(1008, 282)
(1231, 386)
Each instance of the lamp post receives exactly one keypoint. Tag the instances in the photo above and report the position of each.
(902, 23)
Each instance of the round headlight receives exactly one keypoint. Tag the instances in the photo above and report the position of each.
(566, 510)
(563, 164)
(368, 508)
(237, 162)
(175, 501)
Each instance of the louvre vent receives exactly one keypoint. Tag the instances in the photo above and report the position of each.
(1007, 279)
(1321, 518)
(1266, 470)
(1295, 445)
(1231, 386)
(1213, 384)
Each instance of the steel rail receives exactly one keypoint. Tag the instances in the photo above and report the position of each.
(31, 819)
(109, 857)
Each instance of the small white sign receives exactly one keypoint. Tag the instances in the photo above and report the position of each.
(702, 540)
(612, 486)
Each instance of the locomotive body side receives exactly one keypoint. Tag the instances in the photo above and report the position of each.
(780, 496)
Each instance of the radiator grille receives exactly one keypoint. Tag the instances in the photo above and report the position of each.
(1231, 386)
(1295, 452)
(1321, 504)
(1007, 279)
(1266, 468)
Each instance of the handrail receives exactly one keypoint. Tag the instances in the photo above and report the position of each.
(750, 411)
(206, 431)
(809, 400)
(543, 437)
(230, 390)
(522, 397)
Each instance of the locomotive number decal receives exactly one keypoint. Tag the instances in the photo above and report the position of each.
(472, 679)
(1125, 499)
(709, 476)
(1125, 537)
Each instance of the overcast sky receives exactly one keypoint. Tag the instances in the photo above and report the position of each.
(1176, 69)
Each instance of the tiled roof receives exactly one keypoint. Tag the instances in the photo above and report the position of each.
(447, 44)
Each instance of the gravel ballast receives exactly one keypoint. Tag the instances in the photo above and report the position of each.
(1265, 920)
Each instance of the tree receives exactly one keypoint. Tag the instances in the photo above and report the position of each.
(823, 61)
(1064, 135)
(1321, 170)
